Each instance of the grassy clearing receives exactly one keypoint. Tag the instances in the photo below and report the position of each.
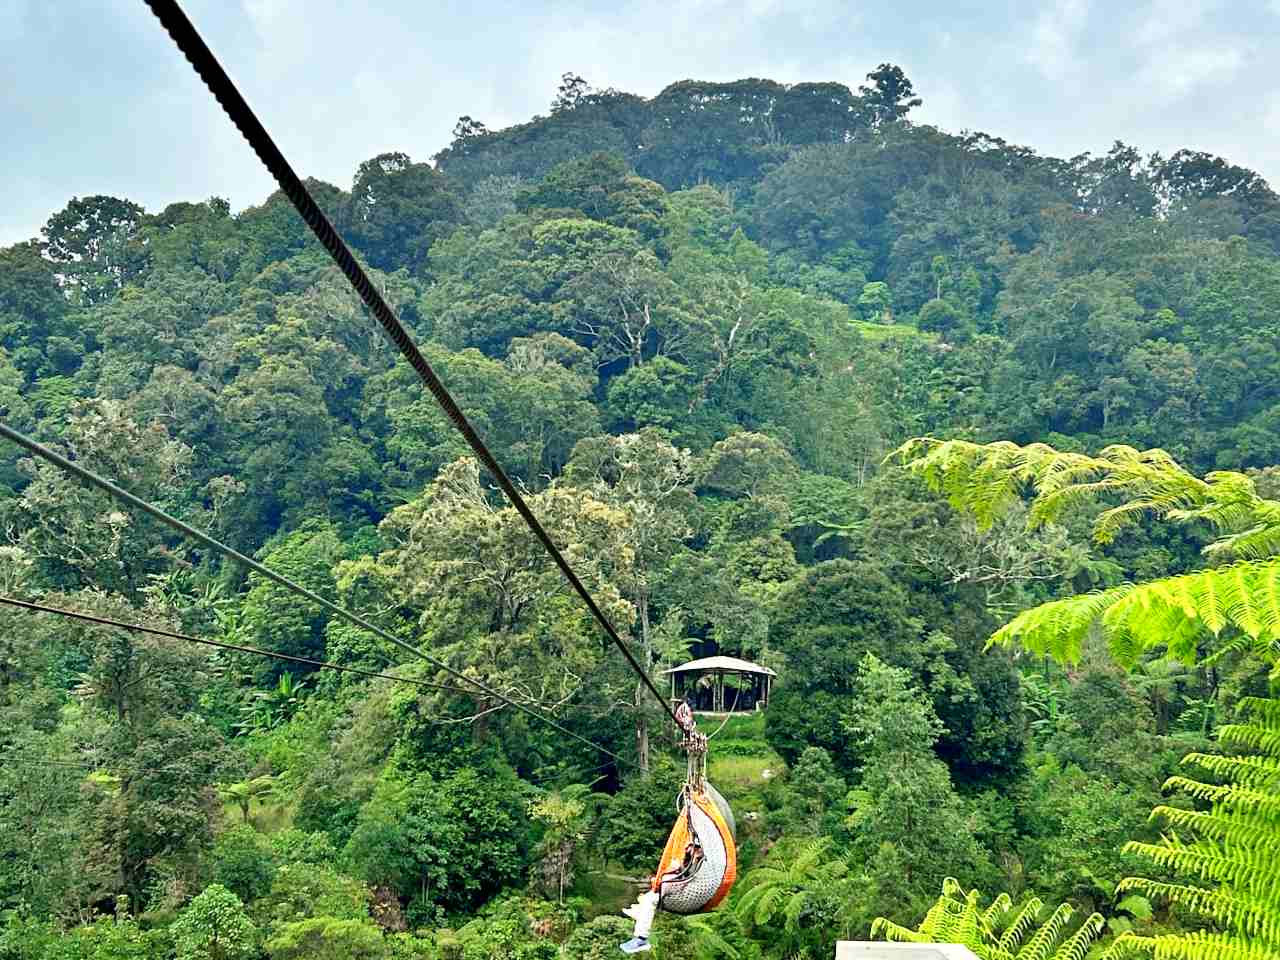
(743, 726)
(744, 773)
(740, 756)
(266, 818)
(888, 331)
(607, 892)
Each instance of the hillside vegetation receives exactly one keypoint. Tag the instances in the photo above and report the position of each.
(694, 328)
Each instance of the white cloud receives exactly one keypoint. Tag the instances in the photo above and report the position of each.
(1053, 47)
(268, 15)
(1163, 21)
(1067, 76)
(1271, 119)
(1175, 72)
(1180, 51)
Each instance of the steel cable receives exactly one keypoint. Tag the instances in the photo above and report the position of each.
(224, 90)
(256, 651)
(88, 476)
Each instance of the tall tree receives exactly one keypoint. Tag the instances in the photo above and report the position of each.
(905, 854)
(90, 239)
(651, 482)
(488, 597)
(891, 95)
(398, 208)
(82, 537)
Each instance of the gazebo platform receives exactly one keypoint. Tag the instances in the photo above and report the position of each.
(705, 680)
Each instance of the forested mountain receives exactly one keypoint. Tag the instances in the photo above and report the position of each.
(693, 327)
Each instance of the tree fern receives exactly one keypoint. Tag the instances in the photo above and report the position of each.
(998, 932)
(1237, 600)
(1229, 853)
(707, 942)
(782, 889)
(1189, 946)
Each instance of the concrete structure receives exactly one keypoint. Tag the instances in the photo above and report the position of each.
(883, 950)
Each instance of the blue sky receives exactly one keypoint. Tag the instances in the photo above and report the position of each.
(94, 99)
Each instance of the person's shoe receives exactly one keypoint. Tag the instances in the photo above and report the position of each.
(636, 945)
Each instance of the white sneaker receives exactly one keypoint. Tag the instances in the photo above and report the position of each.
(636, 945)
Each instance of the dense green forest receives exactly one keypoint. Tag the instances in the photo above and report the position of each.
(695, 328)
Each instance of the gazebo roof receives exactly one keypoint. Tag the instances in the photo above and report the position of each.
(726, 664)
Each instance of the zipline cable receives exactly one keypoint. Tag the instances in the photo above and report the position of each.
(224, 90)
(256, 651)
(88, 476)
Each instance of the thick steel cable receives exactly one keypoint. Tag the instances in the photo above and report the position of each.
(92, 479)
(224, 90)
(256, 651)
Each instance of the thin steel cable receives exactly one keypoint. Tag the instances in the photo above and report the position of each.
(43, 762)
(224, 90)
(88, 476)
(256, 651)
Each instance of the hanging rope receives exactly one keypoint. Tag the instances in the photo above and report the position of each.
(736, 694)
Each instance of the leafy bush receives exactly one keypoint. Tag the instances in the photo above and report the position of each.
(214, 926)
(598, 940)
(298, 846)
(638, 819)
(243, 862)
(510, 928)
(327, 938)
(304, 890)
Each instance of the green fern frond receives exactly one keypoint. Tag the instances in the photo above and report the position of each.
(1045, 939)
(1210, 946)
(1231, 795)
(1000, 906)
(1262, 710)
(757, 904)
(767, 904)
(1022, 922)
(1248, 771)
(1128, 946)
(1254, 543)
(1232, 861)
(1231, 864)
(791, 912)
(1171, 614)
(884, 929)
(1245, 831)
(1058, 628)
(1077, 945)
(1200, 860)
(958, 917)
(1256, 917)
(986, 480)
(707, 941)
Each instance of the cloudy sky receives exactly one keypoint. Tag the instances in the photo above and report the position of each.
(94, 99)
